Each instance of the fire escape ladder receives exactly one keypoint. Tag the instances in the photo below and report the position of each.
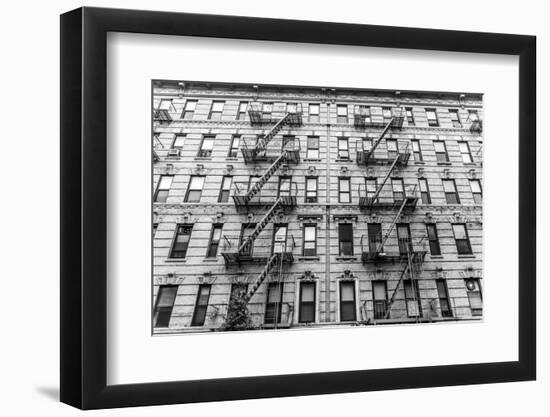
(263, 275)
(375, 144)
(247, 244)
(263, 141)
(256, 188)
(379, 190)
(392, 298)
(394, 222)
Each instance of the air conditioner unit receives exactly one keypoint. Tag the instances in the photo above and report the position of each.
(174, 152)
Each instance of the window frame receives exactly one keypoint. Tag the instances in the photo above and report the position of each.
(448, 194)
(410, 117)
(312, 304)
(199, 306)
(307, 198)
(376, 314)
(177, 136)
(173, 251)
(342, 118)
(213, 245)
(442, 287)
(312, 148)
(433, 240)
(166, 310)
(340, 241)
(241, 115)
(190, 190)
(206, 153)
(438, 153)
(468, 152)
(394, 193)
(432, 122)
(314, 118)
(234, 151)
(476, 312)
(217, 113)
(278, 308)
(426, 193)
(304, 241)
(477, 196)
(353, 302)
(343, 140)
(159, 189)
(186, 112)
(456, 123)
(469, 249)
(417, 154)
(340, 192)
(223, 191)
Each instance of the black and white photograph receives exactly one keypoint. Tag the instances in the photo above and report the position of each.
(278, 207)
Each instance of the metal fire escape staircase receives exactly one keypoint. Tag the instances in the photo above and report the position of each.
(281, 202)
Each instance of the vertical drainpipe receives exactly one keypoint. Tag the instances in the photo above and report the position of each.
(327, 221)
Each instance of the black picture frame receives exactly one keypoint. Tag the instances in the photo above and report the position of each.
(84, 209)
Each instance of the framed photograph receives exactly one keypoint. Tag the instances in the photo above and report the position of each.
(257, 208)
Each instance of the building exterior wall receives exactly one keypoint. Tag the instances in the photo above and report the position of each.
(327, 268)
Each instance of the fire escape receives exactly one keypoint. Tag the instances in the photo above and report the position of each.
(402, 199)
(261, 194)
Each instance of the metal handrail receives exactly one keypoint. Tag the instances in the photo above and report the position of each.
(269, 189)
(416, 246)
(410, 191)
(263, 244)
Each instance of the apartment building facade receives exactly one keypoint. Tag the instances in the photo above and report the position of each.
(322, 206)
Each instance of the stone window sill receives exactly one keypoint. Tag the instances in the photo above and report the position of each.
(346, 258)
(466, 256)
(309, 258)
(175, 260)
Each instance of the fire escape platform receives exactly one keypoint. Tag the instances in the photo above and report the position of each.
(369, 203)
(235, 258)
(360, 121)
(366, 158)
(251, 155)
(286, 201)
(393, 257)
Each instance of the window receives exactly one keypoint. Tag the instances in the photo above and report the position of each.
(238, 290)
(345, 239)
(307, 302)
(189, 109)
(404, 239)
(386, 114)
(424, 191)
(163, 188)
(312, 147)
(206, 147)
(343, 148)
(410, 116)
(375, 237)
(412, 298)
(475, 185)
(311, 189)
(246, 230)
(288, 142)
(225, 189)
(443, 294)
(342, 113)
(181, 241)
(392, 148)
(344, 194)
(367, 145)
(310, 240)
(440, 151)
(234, 146)
(314, 109)
(279, 238)
(398, 189)
(216, 110)
(432, 117)
(291, 108)
(155, 228)
(274, 303)
(194, 191)
(201, 305)
(417, 151)
(164, 305)
(241, 111)
(215, 237)
(473, 290)
(252, 181)
(465, 152)
(365, 111)
(267, 110)
(462, 240)
(433, 239)
(455, 119)
(371, 186)
(451, 194)
(285, 183)
(472, 115)
(178, 142)
(380, 299)
(347, 301)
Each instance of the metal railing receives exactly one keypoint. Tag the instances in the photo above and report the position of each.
(363, 116)
(263, 112)
(264, 245)
(268, 194)
(386, 197)
(364, 155)
(393, 247)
